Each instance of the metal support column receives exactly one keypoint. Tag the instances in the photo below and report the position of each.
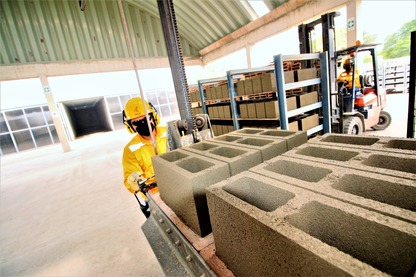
(281, 93)
(231, 91)
(326, 109)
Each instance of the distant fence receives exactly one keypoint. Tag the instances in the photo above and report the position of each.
(394, 75)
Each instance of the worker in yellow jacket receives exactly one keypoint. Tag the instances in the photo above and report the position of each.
(138, 152)
(346, 76)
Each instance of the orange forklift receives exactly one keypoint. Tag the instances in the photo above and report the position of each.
(357, 106)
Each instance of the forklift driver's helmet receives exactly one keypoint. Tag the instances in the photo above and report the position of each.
(347, 64)
(134, 109)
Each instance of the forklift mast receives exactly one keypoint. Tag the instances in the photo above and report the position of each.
(328, 40)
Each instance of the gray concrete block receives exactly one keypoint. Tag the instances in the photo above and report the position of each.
(265, 227)
(389, 195)
(384, 144)
(293, 139)
(268, 147)
(182, 178)
(387, 163)
(238, 159)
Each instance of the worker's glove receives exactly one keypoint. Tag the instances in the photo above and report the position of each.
(133, 182)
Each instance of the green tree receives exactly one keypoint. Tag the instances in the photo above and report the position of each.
(398, 44)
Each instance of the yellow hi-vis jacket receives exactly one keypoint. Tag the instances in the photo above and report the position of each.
(347, 76)
(137, 156)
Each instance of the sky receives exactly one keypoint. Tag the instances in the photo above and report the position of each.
(379, 17)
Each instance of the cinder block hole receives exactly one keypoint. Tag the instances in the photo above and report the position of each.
(228, 152)
(402, 144)
(394, 163)
(297, 170)
(194, 165)
(263, 196)
(379, 190)
(227, 138)
(255, 142)
(351, 140)
(327, 153)
(382, 247)
(173, 156)
(277, 133)
(248, 131)
(203, 146)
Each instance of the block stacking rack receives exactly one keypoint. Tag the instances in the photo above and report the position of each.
(323, 81)
(280, 92)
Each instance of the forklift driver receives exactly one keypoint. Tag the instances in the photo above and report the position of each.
(138, 152)
(346, 76)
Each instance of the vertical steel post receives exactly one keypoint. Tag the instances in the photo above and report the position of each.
(326, 109)
(201, 93)
(231, 91)
(281, 93)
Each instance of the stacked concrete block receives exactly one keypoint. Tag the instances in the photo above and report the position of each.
(387, 163)
(384, 144)
(182, 177)
(237, 158)
(266, 227)
(268, 147)
(293, 139)
(394, 196)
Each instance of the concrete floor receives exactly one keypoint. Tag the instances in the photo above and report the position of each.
(68, 214)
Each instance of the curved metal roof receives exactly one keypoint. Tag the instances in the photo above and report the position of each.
(42, 31)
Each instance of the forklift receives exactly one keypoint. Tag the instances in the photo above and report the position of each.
(354, 108)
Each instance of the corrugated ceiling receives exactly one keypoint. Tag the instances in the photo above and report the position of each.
(41, 31)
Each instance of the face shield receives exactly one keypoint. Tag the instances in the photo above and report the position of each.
(142, 127)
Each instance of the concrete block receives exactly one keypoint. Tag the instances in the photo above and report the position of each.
(308, 121)
(293, 139)
(268, 147)
(224, 91)
(268, 82)
(306, 99)
(182, 178)
(307, 74)
(237, 158)
(291, 103)
(392, 196)
(227, 111)
(218, 92)
(248, 86)
(384, 144)
(251, 110)
(390, 163)
(243, 110)
(272, 109)
(241, 88)
(260, 110)
(265, 227)
(256, 81)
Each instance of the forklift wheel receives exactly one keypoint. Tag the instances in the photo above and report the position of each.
(383, 121)
(353, 126)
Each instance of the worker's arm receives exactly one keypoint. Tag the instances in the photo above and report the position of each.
(130, 166)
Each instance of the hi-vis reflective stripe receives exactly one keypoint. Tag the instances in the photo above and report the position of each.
(135, 147)
(163, 135)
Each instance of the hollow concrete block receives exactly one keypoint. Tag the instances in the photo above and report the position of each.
(292, 138)
(268, 147)
(384, 144)
(389, 195)
(394, 164)
(265, 227)
(182, 178)
(238, 159)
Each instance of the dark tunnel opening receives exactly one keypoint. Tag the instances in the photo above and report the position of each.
(87, 116)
